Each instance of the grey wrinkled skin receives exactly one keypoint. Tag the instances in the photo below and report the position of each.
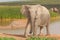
(37, 16)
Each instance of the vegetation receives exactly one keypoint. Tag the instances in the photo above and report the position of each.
(14, 12)
(47, 1)
(6, 38)
(5, 22)
(9, 12)
(41, 38)
(54, 14)
(31, 2)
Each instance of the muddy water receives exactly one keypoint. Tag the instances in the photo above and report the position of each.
(54, 28)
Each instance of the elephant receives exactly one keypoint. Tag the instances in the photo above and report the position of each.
(54, 9)
(25, 11)
(37, 15)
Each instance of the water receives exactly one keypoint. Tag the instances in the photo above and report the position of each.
(17, 31)
(8, 0)
(54, 28)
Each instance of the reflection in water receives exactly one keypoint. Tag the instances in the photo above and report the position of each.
(17, 31)
(54, 28)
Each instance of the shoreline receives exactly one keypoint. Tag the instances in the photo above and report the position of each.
(57, 18)
(23, 22)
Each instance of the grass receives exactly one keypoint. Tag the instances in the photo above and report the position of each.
(41, 38)
(14, 12)
(6, 38)
(9, 11)
(54, 14)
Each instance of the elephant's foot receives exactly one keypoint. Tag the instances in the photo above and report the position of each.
(47, 34)
(35, 35)
(29, 35)
(41, 34)
(26, 36)
(30, 32)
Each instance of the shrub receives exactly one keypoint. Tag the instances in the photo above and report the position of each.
(53, 14)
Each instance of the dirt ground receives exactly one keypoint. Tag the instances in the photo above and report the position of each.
(17, 37)
(16, 24)
(21, 37)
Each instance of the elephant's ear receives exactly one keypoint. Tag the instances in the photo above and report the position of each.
(25, 10)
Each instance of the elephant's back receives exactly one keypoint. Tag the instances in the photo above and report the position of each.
(43, 15)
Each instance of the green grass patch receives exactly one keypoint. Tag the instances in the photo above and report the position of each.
(54, 14)
(9, 11)
(6, 38)
(41, 38)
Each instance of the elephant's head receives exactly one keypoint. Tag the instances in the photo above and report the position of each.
(25, 10)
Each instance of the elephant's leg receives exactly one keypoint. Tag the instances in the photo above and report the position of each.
(30, 30)
(30, 27)
(34, 28)
(47, 29)
(26, 28)
(34, 31)
(40, 30)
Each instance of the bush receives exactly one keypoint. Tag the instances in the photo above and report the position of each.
(53, 14)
